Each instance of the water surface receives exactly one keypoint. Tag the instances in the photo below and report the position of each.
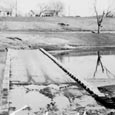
(83, 64)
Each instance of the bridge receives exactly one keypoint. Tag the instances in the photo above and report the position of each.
(39, 67)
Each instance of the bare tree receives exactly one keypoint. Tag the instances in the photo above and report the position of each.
(111, 9)
(99, 18)
(9, 5)
(109, 12)
(42, 7)
(57, 6)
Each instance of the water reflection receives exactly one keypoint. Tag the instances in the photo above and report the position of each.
(83, 64)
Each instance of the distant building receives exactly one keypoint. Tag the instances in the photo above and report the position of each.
(48, 13)
(5, 12)
(45, 13)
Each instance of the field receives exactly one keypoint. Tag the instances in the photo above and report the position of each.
(54, 24)
(55, 34)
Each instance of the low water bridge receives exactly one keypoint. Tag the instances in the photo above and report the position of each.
(39, 67)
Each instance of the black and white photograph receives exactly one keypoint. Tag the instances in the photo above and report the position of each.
(57, 57)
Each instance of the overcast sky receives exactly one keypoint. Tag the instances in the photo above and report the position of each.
(72, 7)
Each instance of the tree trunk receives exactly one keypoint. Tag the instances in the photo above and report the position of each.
(98, 31)
(57, 13)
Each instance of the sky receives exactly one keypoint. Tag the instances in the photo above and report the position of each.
(72, 7)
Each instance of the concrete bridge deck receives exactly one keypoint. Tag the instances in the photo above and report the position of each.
(39, 67)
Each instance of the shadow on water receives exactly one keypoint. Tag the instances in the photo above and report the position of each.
(61, 54)
(70, 53)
